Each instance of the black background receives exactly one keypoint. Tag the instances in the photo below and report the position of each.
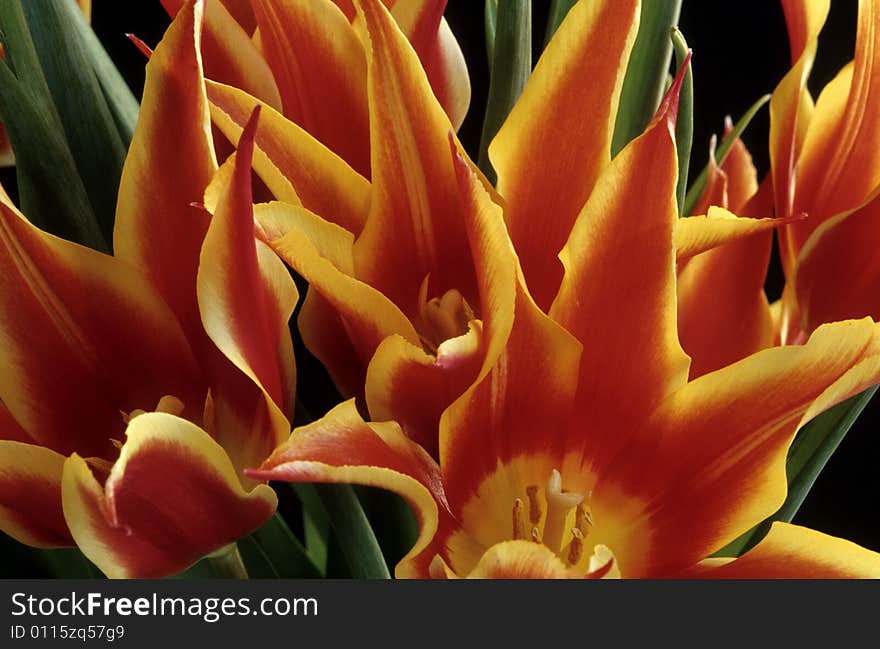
(740, 53)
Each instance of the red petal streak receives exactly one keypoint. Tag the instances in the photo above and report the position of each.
(172, 498)
(30, 495)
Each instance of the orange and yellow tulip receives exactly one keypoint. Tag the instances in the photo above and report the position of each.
(138, 386)
(826, 165)
(307, 60)
(585, 447)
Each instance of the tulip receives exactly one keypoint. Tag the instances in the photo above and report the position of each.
(307, 59)
(138, 386)
(584, 449)
(825, 165)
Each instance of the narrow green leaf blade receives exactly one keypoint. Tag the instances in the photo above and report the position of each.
(353, 533)
(50, 190)
(558, 11)
(316, 525)
(274, 551)
(808, 455)
(684, 125)
(120, 99)
(91, 131)
(699, 185)
(491, 20)
(511, 67)
(646, 72)
(67, 563)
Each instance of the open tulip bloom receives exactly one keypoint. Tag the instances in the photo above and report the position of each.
(560, 374)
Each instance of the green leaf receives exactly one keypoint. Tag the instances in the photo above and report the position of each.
(121, 101)
(809, 453)
(511, 67)
(352, 532)
(89, 126)
(646, 72)
(50, 190)
(699, 185)
(67, 563)
(558, 11)
(274, 552)
(684, 125)
(395, 524)
(490, 20)
(316, 525)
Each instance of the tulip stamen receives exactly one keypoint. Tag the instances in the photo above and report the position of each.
(519, 531)
(168, 404)
(536, 535)
(559, 504)
(534, 504)
(443, 318)
(576, 547)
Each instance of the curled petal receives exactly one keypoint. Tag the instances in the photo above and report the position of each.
(697, 234)
(341, 447)
(557, 140)
(30, 495)
(171, 498)
(521, 560)
(793, 552)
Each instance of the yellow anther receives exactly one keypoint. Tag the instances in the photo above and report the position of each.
(583, 520)
(171, 405)
(536, 535)
(534, 505)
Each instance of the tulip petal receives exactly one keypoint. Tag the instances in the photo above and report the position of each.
(296, 167)
(557, 139)
(415, 220)
(723, 313)
(341, 447)
(626, 310)
(838, 272)
(719, 445)
(791, 104)
(698, 234)
(169, 164)
(844, 168)
(76, 327)
(413, 388)
(172, 498)
(319, 65)
(315, 249)
(428, 32)
(11, 429)
(229, 54)
(247, 297)
(30, 495)
(521, 560)
(793, 552)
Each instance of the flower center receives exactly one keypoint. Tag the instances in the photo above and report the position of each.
(566, 521)
(442, 318)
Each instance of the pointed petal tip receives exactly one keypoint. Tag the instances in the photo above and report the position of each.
(669, 105)
(145, 49)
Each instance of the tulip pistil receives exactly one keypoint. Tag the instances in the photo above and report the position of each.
(443, 318)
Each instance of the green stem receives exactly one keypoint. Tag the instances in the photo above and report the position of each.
(227, 563)
(558, 11)
(684, 125)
